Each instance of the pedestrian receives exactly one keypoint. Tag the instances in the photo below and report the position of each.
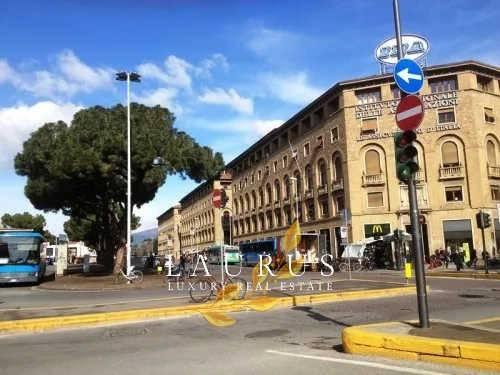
(473, 258)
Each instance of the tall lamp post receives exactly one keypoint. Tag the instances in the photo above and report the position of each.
(134, 77)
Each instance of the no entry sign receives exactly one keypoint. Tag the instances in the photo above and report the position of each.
(409, 113)
(216, 198)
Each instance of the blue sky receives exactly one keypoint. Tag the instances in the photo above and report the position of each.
(229, 70)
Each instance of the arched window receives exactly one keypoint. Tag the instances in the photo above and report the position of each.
(372, 163)
(309, 178)
(247, 201)
(337, 168)
(242, 206)
(449, 152)
(235, 206)
(492, 153)
(269, 193)
(261, 197)
(286, 182)
(322, 174)
(254, 199)
(277, 191)
(298, 183)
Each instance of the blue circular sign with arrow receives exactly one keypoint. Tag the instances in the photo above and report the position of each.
(408, 76)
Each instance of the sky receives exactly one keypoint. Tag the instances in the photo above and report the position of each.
(230, 70)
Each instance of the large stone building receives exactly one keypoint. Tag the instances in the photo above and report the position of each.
(194, 224)
(338, 154)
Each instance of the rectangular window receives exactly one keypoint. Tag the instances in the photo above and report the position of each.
(368, 96)
(318, 116)
(319, 141)
(443, 84)
(495, 192)
(324, 208)
(340, 203)
(369, 125)
(396, 92)
(333, 105)
(252, 178)
(376, 199)
(488, 115)
(294, 132)
(453, 194)
(284, 139)
(484, 83)
(275, 166)
(306, 124)
(334, 134)
(275, 144)
(285, 161)
(310, 210)
(446, 115)
(307, 149)
(259, 175)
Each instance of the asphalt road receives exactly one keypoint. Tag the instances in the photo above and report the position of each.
(304, 339)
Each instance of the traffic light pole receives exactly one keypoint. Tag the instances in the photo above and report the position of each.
(484, 252)
(423, 310)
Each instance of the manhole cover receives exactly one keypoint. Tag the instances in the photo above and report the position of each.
(126, 331)
(268, 333)
(471, 296)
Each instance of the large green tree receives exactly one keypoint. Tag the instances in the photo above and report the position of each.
(81, 169)
(28, 221)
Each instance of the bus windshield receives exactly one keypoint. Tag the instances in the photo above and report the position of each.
(19, 250)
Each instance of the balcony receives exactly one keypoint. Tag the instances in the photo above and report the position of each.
(308, 194)
(420, 176)
(373, 180)
(450, 173)
(277, 204)
(493, 171)
(338, 185)
(286, 201)
(322, 190)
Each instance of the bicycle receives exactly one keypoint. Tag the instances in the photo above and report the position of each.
(135, 276)
(178, 274)
(354, 263)
(367, 264)
(202, 288)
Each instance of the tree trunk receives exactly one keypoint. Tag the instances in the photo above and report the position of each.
(119, 260)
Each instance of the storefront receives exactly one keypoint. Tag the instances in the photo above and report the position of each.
(456, 233)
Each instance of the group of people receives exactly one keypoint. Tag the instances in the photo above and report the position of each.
(458, 256)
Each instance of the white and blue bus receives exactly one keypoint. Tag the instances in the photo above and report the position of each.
(21, 258)
(250, 251)
(232, 254)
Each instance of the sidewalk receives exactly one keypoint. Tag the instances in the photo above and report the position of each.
(465, 345)
(469, 273)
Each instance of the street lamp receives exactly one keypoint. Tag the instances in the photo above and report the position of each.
(134, 77)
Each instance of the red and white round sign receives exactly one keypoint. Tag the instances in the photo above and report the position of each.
(409, 113)
(216, 198)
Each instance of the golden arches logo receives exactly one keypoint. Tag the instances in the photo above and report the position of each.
(377, 228)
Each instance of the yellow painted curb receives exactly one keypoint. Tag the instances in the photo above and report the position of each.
(255, 304)
(366, 340)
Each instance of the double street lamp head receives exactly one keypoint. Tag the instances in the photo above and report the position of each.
(134, 77)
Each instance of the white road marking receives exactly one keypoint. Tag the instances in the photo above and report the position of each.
(359, 363)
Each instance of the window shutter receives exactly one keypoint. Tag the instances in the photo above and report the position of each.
(450, 153)
(369, 124)
(492, 157)
(375, 200)
(372, 162)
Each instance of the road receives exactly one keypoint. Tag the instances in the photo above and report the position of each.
(304, 339)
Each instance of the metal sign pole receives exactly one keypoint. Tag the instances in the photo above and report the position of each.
(423, 310)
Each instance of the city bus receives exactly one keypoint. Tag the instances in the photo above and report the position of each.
(21, 257)
(250, 251)
(232, 254)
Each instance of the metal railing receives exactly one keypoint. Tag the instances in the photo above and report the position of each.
(338, 185)
(494, 171)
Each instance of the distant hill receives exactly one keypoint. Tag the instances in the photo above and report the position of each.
(138, 237)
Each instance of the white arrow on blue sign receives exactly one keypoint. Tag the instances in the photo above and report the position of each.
(408, 76)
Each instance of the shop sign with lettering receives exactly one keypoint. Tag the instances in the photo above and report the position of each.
(414, 48)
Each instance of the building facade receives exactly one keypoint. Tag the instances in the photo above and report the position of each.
(195, 224)
(338, 153)
(332, 165)
(168, 234)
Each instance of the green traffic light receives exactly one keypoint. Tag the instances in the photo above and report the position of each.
(405, 153)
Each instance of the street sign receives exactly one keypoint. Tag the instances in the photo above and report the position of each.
(216, 198)
(408, 76)
(415, 47)
(409, 113)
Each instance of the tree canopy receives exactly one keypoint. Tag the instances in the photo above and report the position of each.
(81, 169)
(28, 221)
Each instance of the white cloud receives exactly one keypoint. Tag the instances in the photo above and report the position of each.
(293, 88)
(207, 65)
(18, 122)
(242, 127)
(162, 96)
(175, 72)
(230, 98)
(69, 76)
(262, 40)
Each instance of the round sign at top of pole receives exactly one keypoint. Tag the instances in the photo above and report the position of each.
(409, 113)
(216, 201)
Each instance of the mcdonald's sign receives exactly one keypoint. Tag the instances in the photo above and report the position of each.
(374, 230)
